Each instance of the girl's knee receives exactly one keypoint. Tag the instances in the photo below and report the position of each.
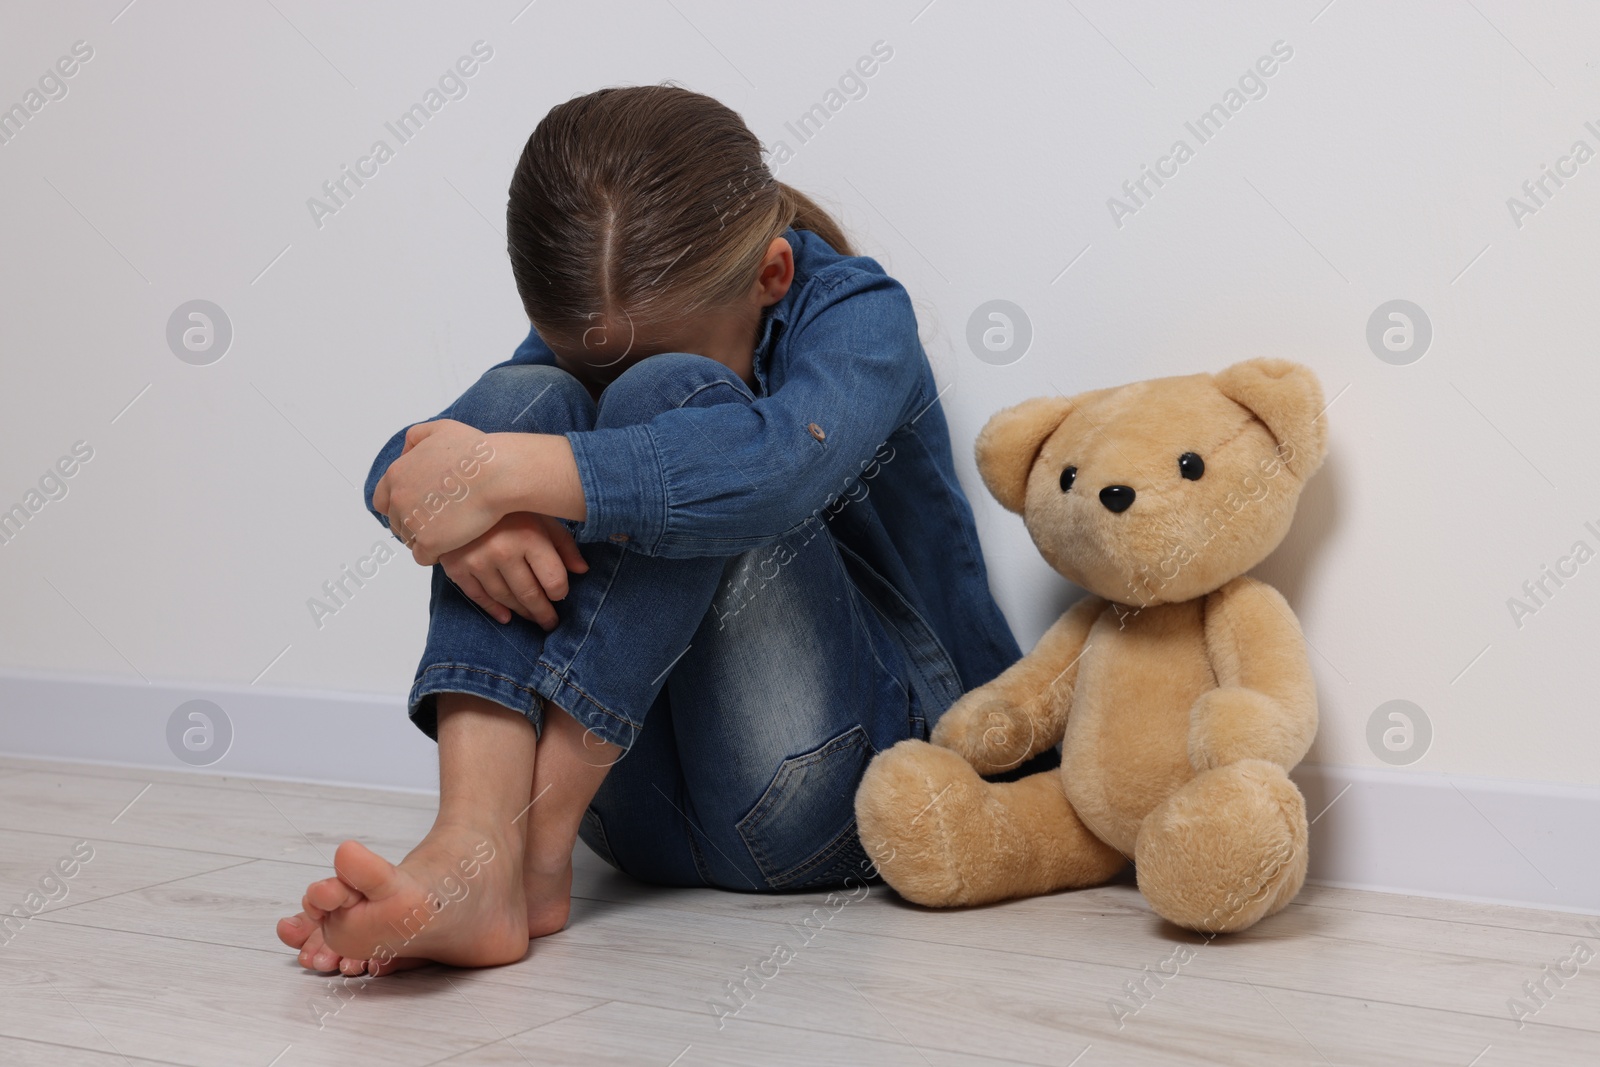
(665, 381)
(526, 398)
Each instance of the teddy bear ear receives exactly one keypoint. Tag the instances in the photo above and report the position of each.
(1287, 397)
(1010, 441)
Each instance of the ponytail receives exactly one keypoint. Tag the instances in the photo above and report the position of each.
(807, 214)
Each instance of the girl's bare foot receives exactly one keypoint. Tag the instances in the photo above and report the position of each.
(456, 898)
(483, 882)
(571, 764)
(549, 896)
(304, 932)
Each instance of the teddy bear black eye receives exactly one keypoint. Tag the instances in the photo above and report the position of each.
(1191, 466)
(1067, 477)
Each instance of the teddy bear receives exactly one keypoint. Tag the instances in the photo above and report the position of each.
(1179, 690)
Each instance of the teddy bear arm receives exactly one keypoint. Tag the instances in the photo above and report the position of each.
(1265, 703)
(1024, 710)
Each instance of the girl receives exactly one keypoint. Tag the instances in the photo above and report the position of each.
(722, 423)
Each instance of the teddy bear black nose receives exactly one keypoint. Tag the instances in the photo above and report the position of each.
(1117, 498)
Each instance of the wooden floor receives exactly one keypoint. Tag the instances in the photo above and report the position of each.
(163, 951)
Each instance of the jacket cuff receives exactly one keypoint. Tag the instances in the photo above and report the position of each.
(624, 486)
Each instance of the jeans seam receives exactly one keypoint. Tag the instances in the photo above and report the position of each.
(562, 682)
(737, 388)
(855, 612)
(908, 686)
(837, 845)
(561, 675)
(701, 867)
(944, 672)
(600, 831)
(475, 670)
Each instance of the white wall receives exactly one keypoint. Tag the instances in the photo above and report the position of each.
(977, 166)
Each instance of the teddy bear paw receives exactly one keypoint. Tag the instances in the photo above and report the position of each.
(910, 800)
(1226, 850)
(991, 733)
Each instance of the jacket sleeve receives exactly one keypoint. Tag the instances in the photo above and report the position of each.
(531, 350)
(730, 477)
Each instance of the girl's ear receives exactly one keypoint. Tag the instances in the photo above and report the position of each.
(777, 272)
(1286, 397)
(1010, 441)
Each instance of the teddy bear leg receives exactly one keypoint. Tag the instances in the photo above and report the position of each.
(1227, 849)
(943, 837)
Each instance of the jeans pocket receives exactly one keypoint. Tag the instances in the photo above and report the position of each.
(592, 831)
(802, 832)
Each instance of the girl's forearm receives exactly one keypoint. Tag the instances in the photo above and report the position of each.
(535, 472)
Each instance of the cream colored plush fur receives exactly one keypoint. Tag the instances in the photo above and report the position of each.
(1179, 690)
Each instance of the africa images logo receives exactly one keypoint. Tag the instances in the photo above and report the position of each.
(452, 85)
(1252, 85)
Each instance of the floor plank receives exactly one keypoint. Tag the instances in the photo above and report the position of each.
(16, 1052)
(249, 823)
(630, 1034)
(208, 780)
(29, 864)
(201, 1004)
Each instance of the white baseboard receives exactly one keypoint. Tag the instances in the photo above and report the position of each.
(357, 739)
(1531, 844)
(1493, 840)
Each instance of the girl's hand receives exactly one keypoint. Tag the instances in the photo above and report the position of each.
(519, 566)
(434, 493)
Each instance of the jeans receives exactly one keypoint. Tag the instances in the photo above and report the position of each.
(748, 691)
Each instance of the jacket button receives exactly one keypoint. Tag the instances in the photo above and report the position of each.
(619, 537)
(816, 431)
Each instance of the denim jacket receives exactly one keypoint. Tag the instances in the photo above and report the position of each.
(846, 430)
